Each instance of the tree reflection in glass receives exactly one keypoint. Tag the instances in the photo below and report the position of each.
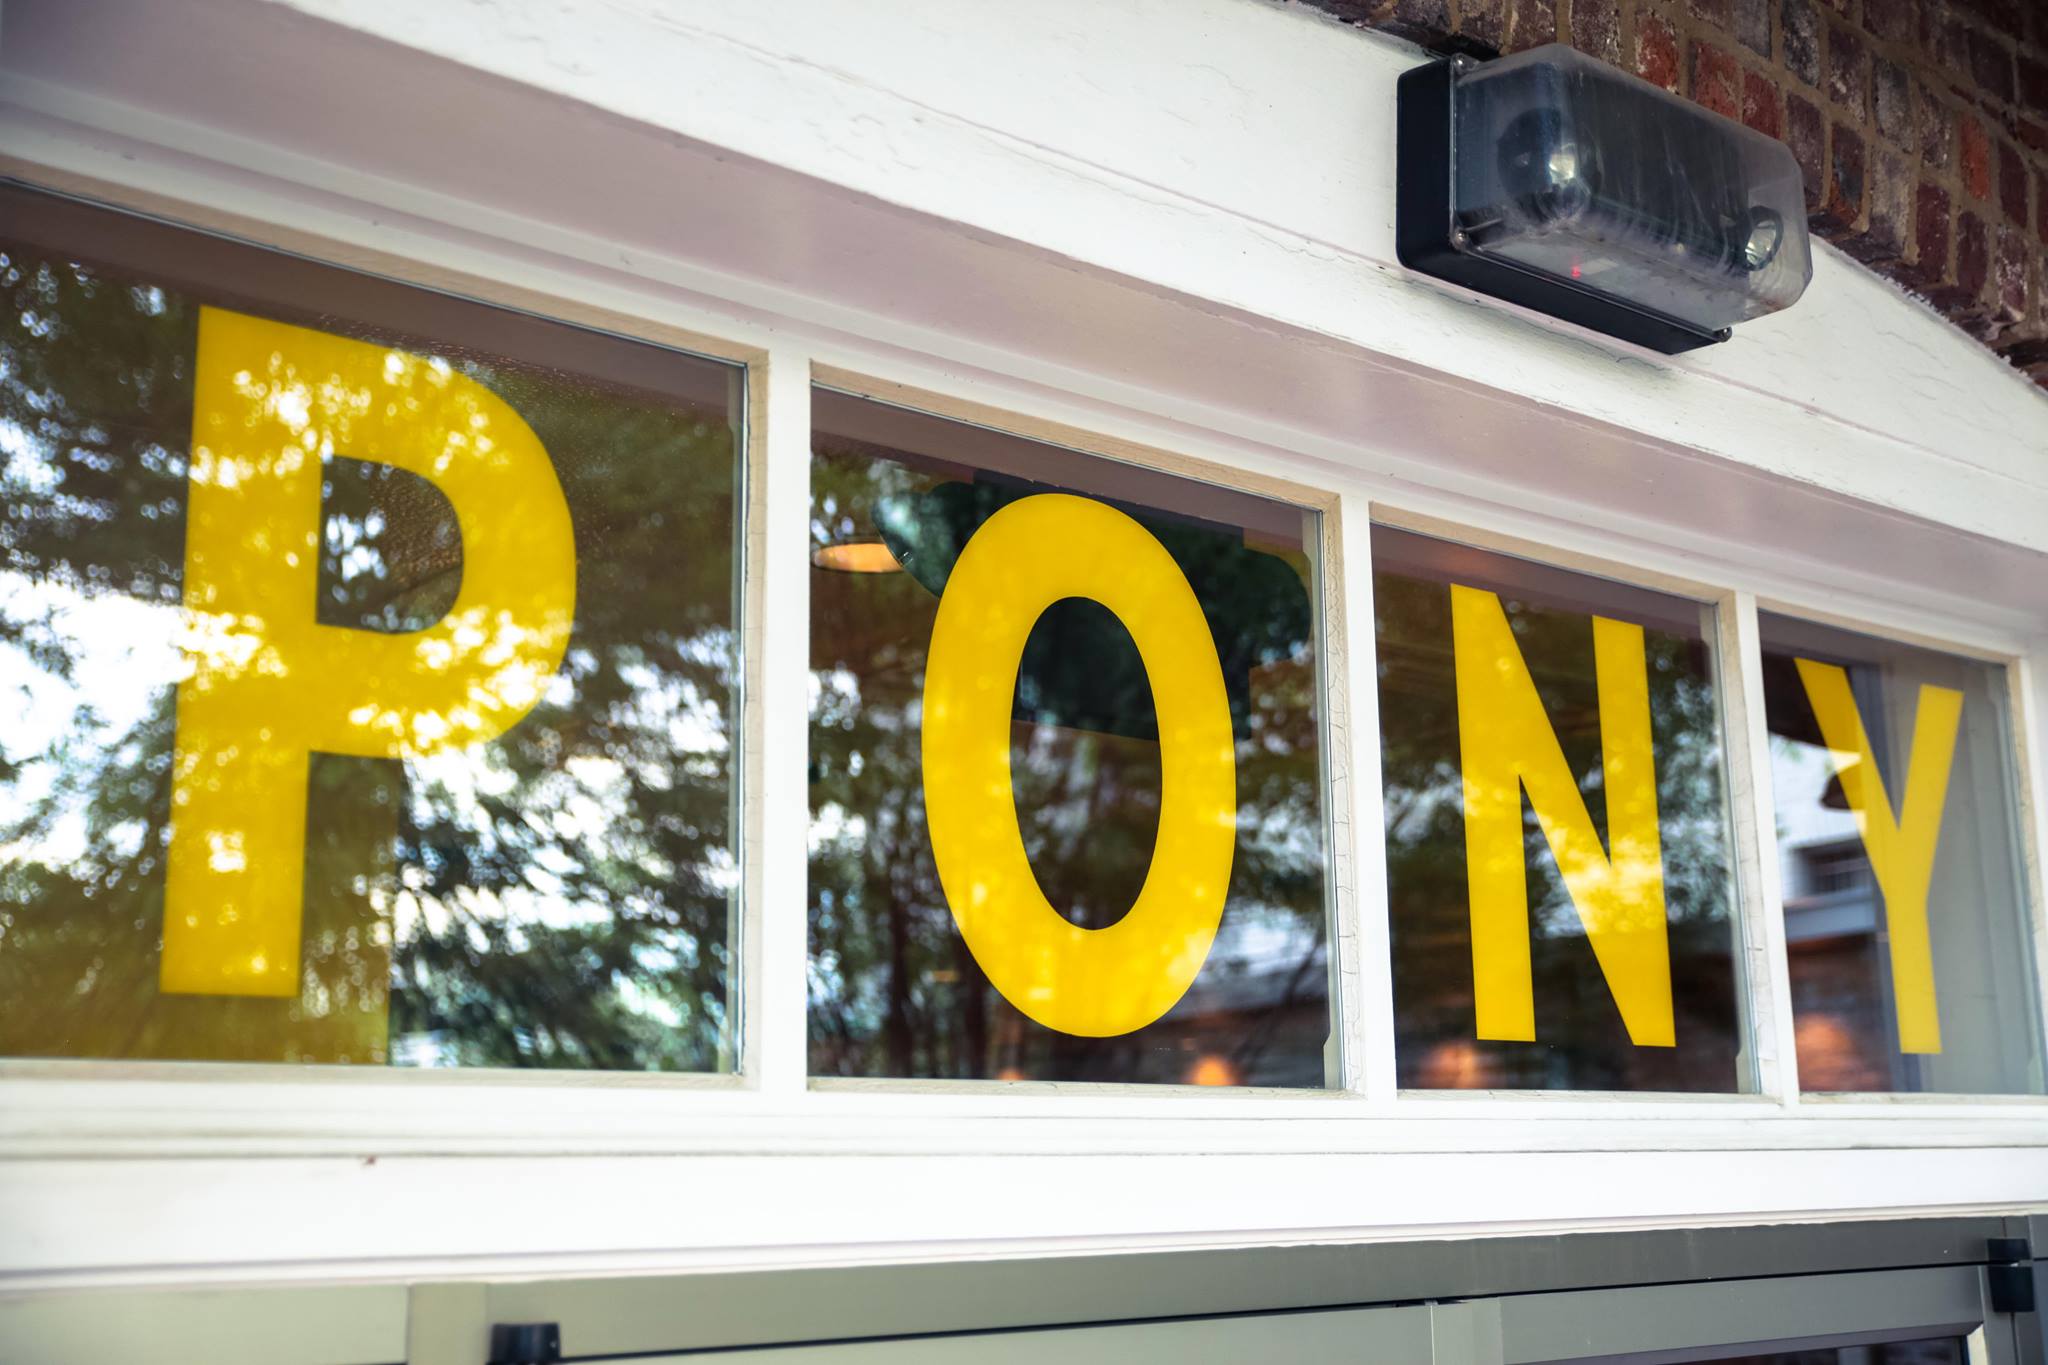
(895, 988)
(1581, 1042)
(557, 896)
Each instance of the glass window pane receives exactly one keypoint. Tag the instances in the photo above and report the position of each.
(1899, 853)
(1557, 849)
(370, 660)
(1066, 794)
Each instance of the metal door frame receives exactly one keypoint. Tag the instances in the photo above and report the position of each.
(1635, 1325)
(1642, 1297)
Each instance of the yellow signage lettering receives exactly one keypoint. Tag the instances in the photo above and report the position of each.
(1091, 982)
(1900, 843)
(267, 684)
(1508, 746)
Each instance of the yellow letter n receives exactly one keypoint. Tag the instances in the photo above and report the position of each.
(267, 684)
(1508, 746)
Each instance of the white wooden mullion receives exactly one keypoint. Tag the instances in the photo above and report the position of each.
(1365, 999)
(775, 946)
(1765, 981)
(2029, 731)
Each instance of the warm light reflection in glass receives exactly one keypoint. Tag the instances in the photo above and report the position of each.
(1213, 1070)
(855, 556)
(1454, 1064)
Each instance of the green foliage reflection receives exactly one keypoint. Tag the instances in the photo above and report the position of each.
(894, 989)
(558, 897)
(1581, 1041)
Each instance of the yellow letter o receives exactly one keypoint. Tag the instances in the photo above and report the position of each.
(1092, 982)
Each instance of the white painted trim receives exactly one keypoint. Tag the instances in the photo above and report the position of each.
(1066, 144)
(347, 1219)
(1364, 929)
(313, 1111)
(477, 242)
(82, 125)
(2028, 683)
(778, 642)
(1766, 968)
(1634, 554)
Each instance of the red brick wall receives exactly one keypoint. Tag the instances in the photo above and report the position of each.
(1921, 125)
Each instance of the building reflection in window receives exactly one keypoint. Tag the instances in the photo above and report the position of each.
(1905, 914)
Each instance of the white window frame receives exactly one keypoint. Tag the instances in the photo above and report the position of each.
(91, 1140)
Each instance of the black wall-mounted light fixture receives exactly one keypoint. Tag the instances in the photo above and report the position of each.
(1556, 182)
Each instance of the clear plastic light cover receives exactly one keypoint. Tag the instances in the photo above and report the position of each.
(1567, 166)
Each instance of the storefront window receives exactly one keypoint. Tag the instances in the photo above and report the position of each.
(1557, 860)
(1898, 849)
(369, 660)
(1066, 787)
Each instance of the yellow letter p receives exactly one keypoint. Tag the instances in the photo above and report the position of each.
(268, 685)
